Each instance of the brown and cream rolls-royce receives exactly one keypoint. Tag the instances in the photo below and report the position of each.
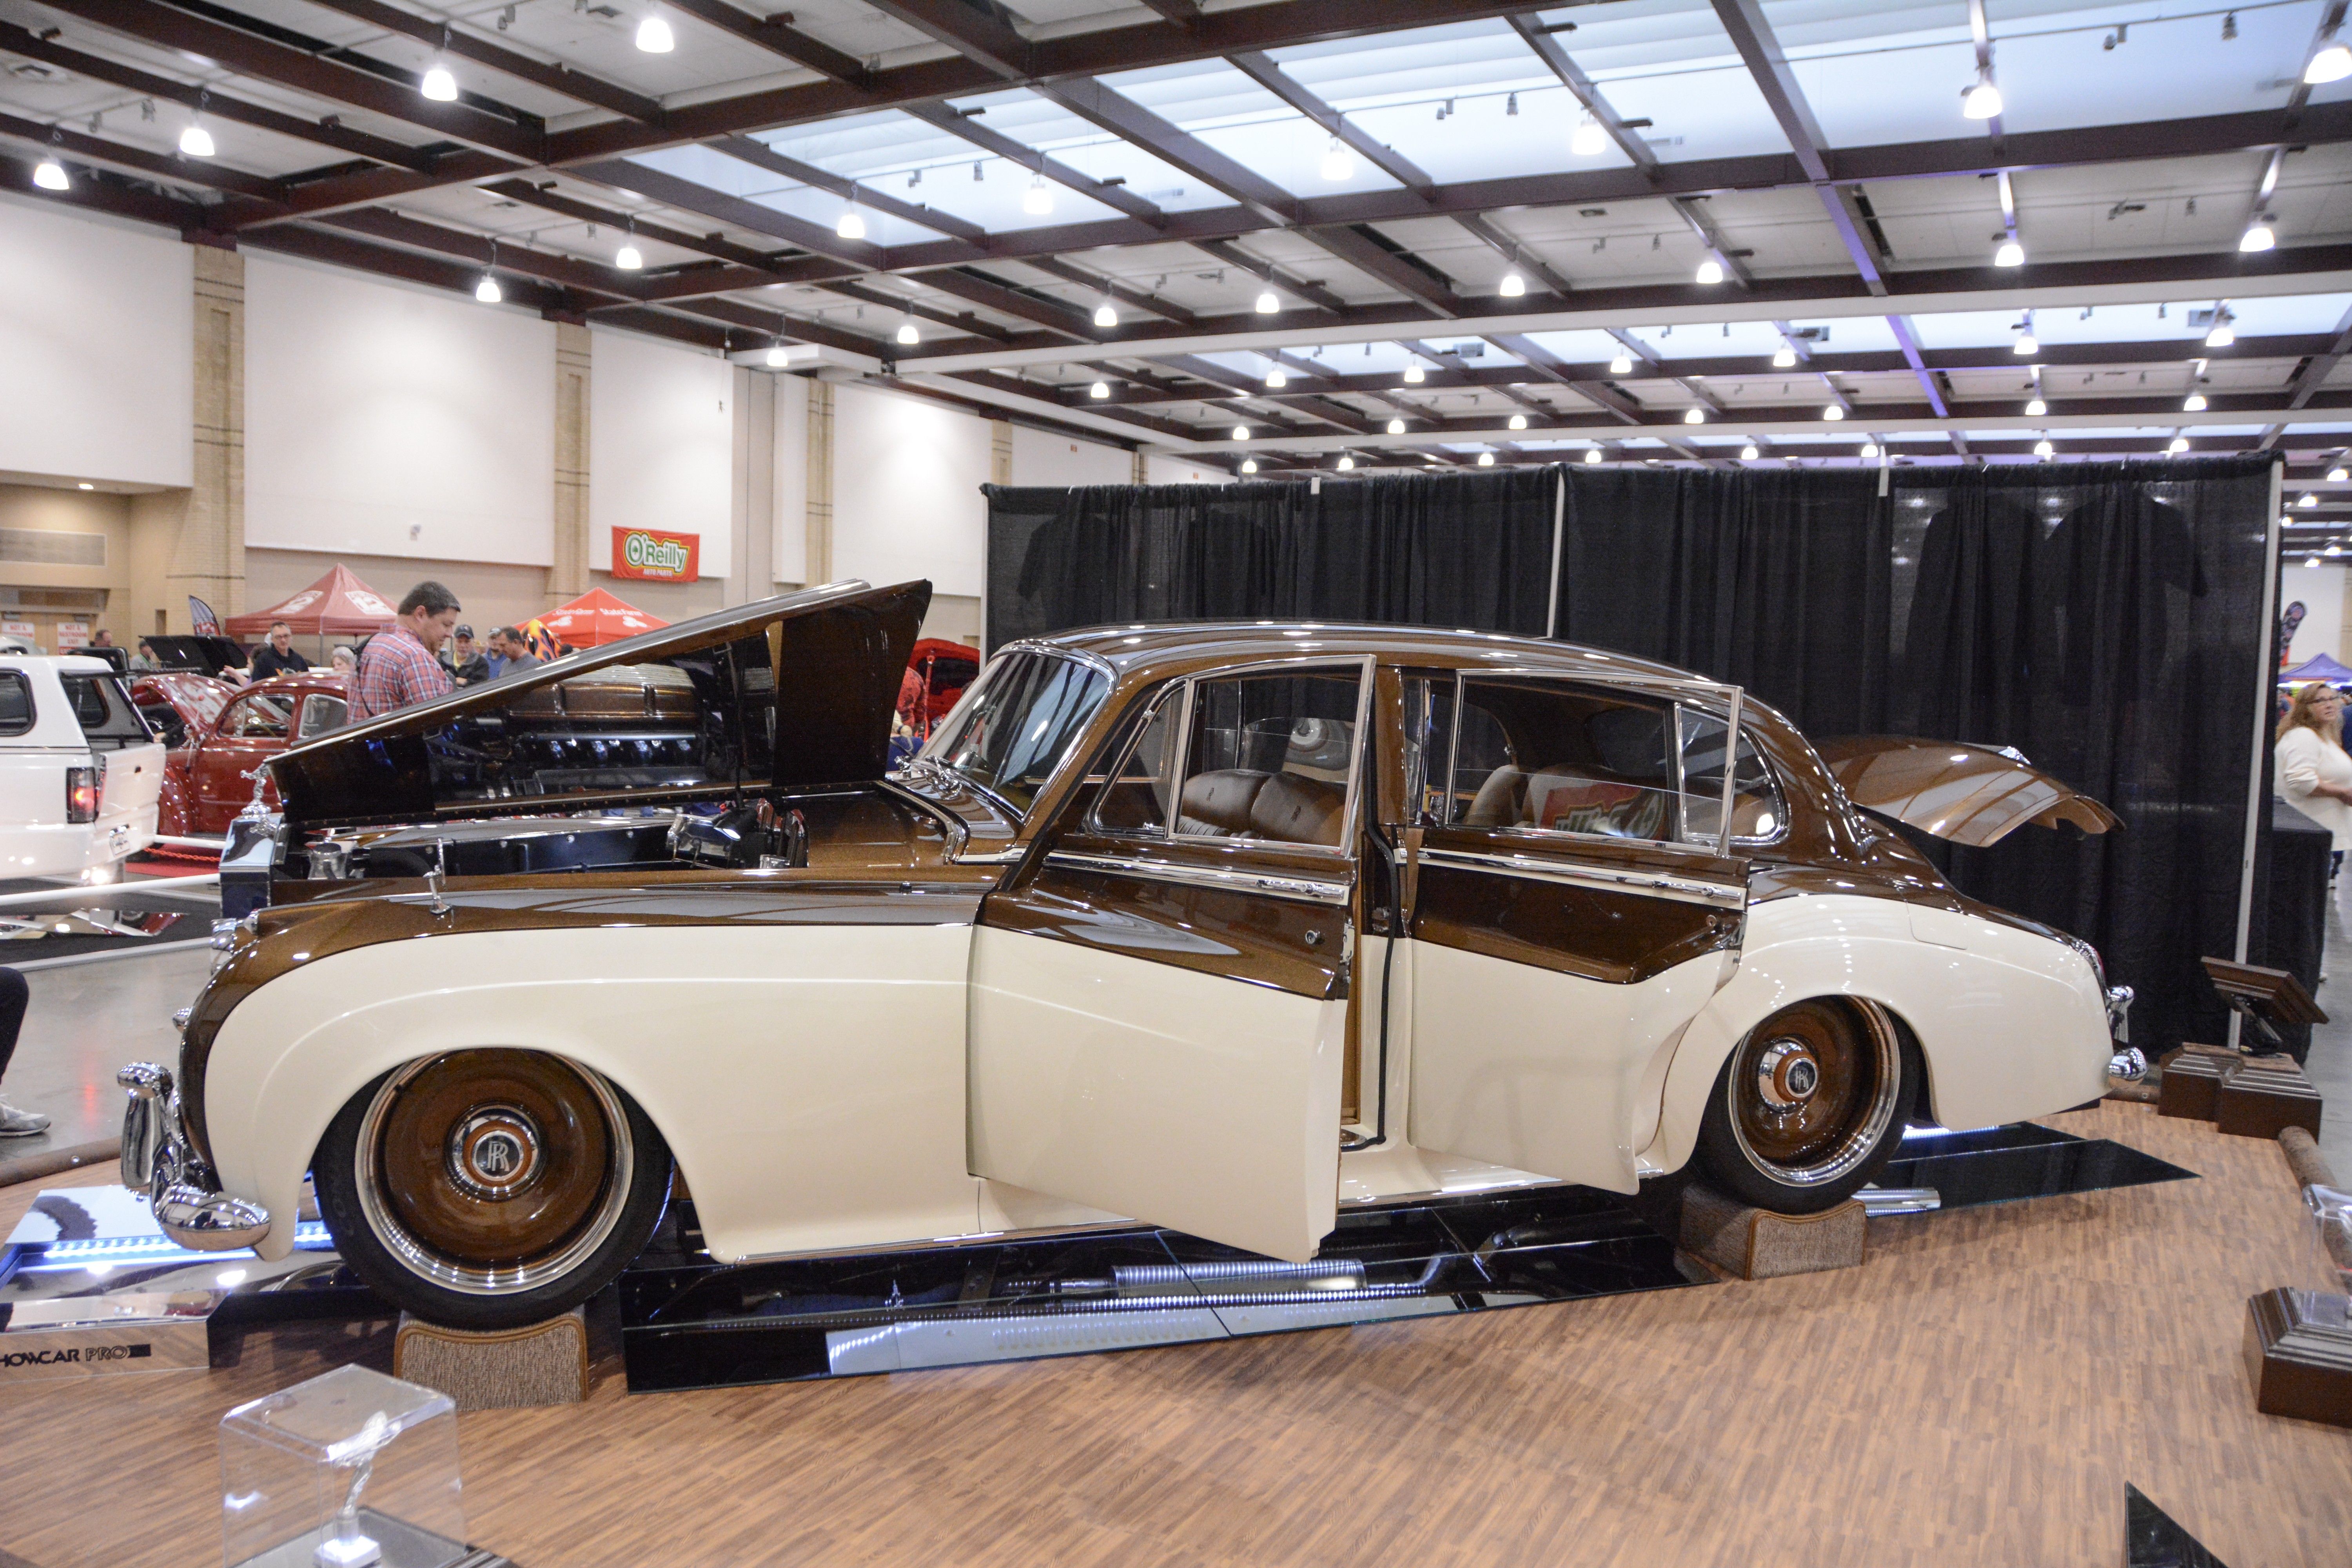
(1221, 927)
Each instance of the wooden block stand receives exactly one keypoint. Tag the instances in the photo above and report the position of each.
(2249, 1097)
(543, 1363)
(2299, 1356)
(1755, 1245)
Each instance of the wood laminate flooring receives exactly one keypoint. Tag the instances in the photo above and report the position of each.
(1978, 1394)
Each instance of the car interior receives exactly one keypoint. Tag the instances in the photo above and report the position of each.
(1269, 760)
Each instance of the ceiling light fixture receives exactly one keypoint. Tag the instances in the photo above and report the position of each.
(1589, 139)
(2194, 405)
(1592, 454)
(2332, 62)
(488, 290)
(2009, 253)
(439, 84)
(1038, 200)
(1241, 432)
(1249, 465)
(1106, 315)
(1710, 271)
(851, 225)
(2306, 498)
(2179, 445)
(1784, 358)
(1267, 304)
(1513, 284)
(1485, 460)
(196, 141)
(50, 175)
(629, 259)
(1869, 450)
(908, 334)
(1748, 453)
(1518, 421)
(2224, 335)
(2259, 235)
(1346, 463)
(2338, 474)
(1337, 164)
(1833, 413)
(654, 37)
(2035, 408)
(1099, 389)
(1623, 364)
(2026, 343)
(1276, 378)
(1396, 426)
(779, 356)
(1413, 373)
(1980, 99)
(2042, 448)
(1694, 415)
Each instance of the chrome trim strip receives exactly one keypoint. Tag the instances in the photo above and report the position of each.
(1313, 890)
(1658, 884)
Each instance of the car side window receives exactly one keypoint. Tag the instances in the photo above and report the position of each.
(1134, 797)
(1566, 758)
(1270, 758)
(16, 703)
(1428, 748)
(258, 717)
(321, 713)
(1759, 813)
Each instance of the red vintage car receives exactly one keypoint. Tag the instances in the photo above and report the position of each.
(220, 734)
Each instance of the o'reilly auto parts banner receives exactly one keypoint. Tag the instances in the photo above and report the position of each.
(655, 556)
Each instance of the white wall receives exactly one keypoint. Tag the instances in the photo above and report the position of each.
(1041, 457)
(1161, 470)
(791, 554)
(383, 420)
(2320, 590)
(660, 445)
(907, 474)
(96, 348)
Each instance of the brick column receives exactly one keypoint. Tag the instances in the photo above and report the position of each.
(209, 556)
(567, 575)
(820, 481)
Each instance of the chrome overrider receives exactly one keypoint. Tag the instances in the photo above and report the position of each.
(2129, 1065)
(179, 1187)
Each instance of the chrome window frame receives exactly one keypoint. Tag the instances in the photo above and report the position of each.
(1174, 691)
(1779, 833)
(1366, 667)
(946, 725)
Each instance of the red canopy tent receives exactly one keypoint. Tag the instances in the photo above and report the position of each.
(337, 604)
(596, 617)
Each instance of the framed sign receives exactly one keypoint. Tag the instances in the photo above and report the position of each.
(653, 556)
(73, 634)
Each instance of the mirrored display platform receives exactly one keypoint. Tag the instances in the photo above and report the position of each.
(2024, 1160)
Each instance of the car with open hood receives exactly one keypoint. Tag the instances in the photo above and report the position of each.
(1217, 926)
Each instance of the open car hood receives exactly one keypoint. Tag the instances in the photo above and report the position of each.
(788, 692)
(206, 655)
(1969, 795)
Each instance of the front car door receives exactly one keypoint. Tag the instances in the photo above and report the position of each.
(1159, 1002)
(1571, 903)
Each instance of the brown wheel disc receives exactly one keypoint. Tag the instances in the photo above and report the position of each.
(1811, 1089)
(492, 1171)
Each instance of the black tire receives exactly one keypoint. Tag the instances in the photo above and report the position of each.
(490, 1189)
(1793, 1141)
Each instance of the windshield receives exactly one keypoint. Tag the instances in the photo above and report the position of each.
(108, 718)
(1014, 727)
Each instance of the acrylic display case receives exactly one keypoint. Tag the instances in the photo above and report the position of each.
(352, 1470)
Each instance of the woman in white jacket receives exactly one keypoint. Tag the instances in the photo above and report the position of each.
(2313, 772)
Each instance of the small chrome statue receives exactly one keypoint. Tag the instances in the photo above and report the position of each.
(344, 1546)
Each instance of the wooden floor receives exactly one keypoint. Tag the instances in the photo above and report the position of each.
(1978, 1394)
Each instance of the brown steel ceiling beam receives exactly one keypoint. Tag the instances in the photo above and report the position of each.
(96, 190)
(1127, 293)
(200, 172)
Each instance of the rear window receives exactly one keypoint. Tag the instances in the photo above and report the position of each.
(103, 708)
(16, 703)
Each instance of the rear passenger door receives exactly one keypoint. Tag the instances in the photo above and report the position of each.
(1158, 1012)
(1572, 904)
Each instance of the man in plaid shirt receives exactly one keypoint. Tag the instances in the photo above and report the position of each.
(397, 668)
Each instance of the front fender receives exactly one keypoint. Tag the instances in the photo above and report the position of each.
(2012, 1024)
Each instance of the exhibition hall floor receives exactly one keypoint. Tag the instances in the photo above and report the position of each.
(1980, 1390)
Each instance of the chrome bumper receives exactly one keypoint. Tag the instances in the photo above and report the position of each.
(181, 1189)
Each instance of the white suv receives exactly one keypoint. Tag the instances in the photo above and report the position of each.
(80, 771)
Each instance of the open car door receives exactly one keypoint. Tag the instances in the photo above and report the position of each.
(1159, 1005)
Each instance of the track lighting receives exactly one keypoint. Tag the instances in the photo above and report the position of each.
(1413, 375)
(2035, 408)
(654, 37)
(488, 290)
(1589, 139)
(1106, 315)
(1267, 304)
(2009, 253)
(1249, 465)
(1592, 454)
(851, 225)
(439, 84)
(196, 141)
(1337, 164)
(1694, 415)
(1980, 99)
(1784, 358)
(1347, 464)
(1513, 284)
(1710, 270)
(50, 175)
(1099, 389)
(1869, 450)
(1748, 453)
(1623, 364)
(1485, 460)
(908, 334)
(1833, 413)
(1396, 426)
(2194, 405)
(2042, 448)
(1038, 199)
(2179, 445)
(2332, 63)
(1518, 421)
(2259, 235)
(1511, 106)
(1241, 432)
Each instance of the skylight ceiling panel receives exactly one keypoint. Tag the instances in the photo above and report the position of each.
(1968, 329)
(1039, 124)
(715, 171)
(2115, 324)
(1996, 384)
(1588, 347)
(1710, 340)
(2269, 315)
(871, 146)
(1226, 111)
(2055, 72)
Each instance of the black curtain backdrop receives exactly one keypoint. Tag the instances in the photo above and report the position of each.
(2105, 619)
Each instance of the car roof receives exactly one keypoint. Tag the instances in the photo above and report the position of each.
(63, 663)
(1166, 648)
(301, 680)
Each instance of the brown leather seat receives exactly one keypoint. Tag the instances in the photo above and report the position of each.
(1294, 810)
(1219, 803)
